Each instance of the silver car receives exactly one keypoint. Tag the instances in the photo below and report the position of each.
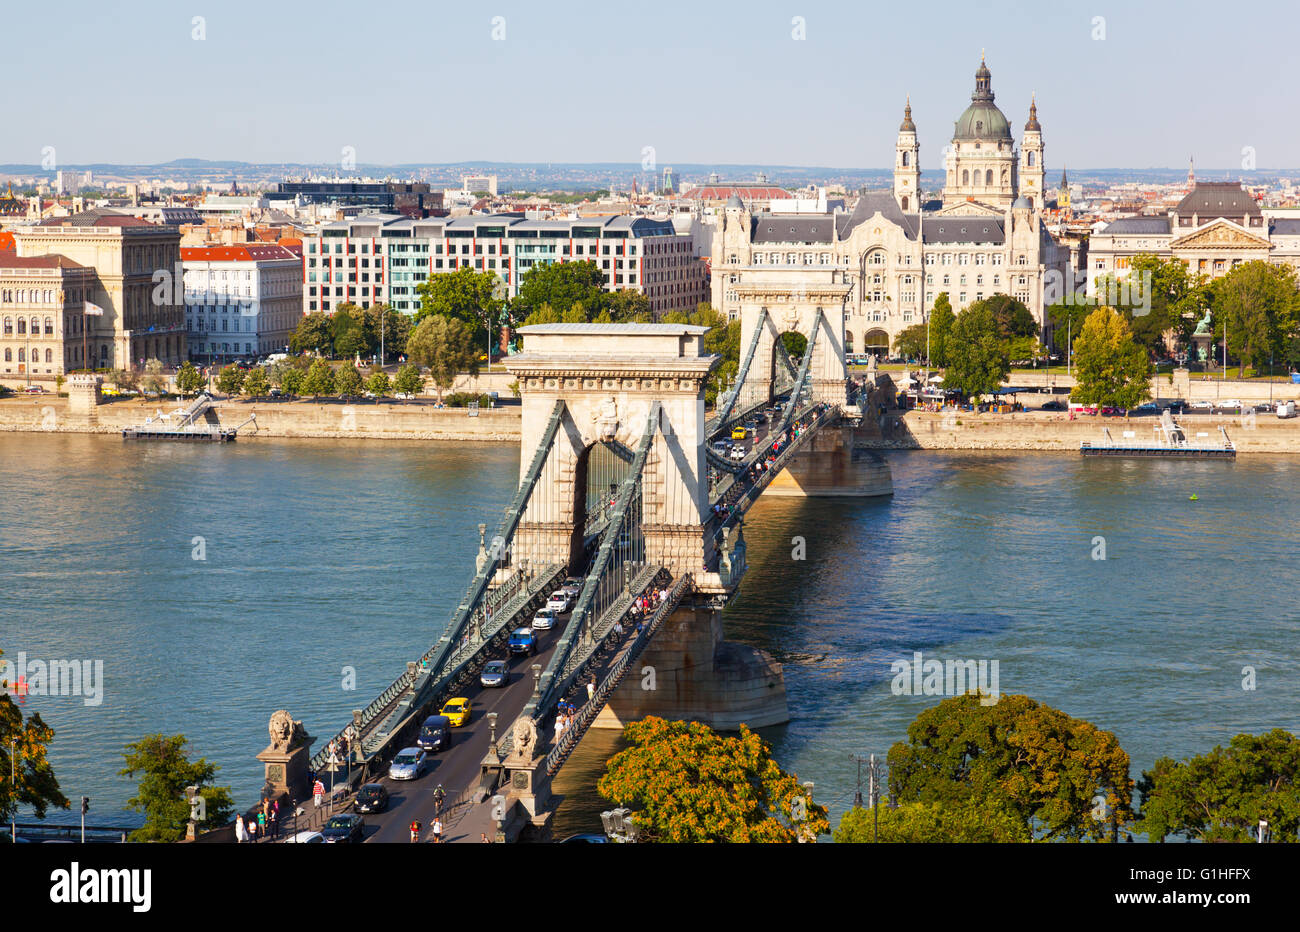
(407, 765)
(544, 620)
(494, 674)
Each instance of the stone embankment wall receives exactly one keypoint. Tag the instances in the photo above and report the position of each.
(362, 419)
(923, 430)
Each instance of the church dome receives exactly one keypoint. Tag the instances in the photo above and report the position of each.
(735, 201)
(982, 119)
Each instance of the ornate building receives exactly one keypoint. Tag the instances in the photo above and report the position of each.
(888, 259)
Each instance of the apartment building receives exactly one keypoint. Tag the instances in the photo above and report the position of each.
(240, 301)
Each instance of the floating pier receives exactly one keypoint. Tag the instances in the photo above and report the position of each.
(1171, 441)
(184, 428)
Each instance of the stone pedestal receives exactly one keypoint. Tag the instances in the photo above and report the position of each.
(84, 394)
(694, 675)
(286, 771)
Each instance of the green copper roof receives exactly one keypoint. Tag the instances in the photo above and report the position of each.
(982, 119)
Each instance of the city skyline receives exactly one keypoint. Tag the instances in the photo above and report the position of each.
(817, 84)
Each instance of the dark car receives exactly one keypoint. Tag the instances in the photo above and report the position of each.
(435, 734)
(1054, 406)
(344, 829)
(373, 797)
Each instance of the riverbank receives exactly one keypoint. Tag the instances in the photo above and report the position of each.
(389, 420)
(1044, 431)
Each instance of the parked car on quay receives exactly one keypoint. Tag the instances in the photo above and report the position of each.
(409, 764)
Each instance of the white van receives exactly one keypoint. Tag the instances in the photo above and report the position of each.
(1286, 409)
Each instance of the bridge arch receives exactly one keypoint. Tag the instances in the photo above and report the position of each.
(876, 341)
(767, 311)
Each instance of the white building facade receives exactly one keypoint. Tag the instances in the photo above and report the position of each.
(240, 301)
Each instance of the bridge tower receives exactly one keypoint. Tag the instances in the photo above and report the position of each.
(771, 310)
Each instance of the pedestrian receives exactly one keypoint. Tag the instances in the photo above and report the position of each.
(415, 830)
(318, 792)
(241, 831)
(437, 830)
(261, 823)
(484, 839)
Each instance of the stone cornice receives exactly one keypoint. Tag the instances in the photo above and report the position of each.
(537, 365)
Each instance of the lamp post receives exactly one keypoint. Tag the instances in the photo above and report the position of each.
(13, 789)
(873, 794)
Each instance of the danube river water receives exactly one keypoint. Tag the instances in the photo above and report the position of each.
(322, 557)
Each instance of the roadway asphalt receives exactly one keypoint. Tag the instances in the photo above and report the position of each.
(457, 768)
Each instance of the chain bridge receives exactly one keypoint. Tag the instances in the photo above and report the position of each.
(628, 488)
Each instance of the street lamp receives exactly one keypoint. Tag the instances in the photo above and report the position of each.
(873, 795)
(13, 789)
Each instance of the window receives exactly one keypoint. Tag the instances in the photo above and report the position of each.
(965, 176)
(988, 177)
(49, 326)
(1029, 160)
(22, 325)
(49, 356)
(9, 326)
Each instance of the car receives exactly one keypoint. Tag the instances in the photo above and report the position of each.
(1054, 406)
(1147, 407)
(738, 433)
(544, 620)
(343, 829)
(738, 453)
(34, 390)
(408, 764)
(457, 711)
(751, 427)
(558, 602)
(721, 446)
(1202, 406)
(276, 393)
(306, 838)
(523, 641)
(495, 673)
(373, 797)
(572, 586)
(404, 396)
(435, 734)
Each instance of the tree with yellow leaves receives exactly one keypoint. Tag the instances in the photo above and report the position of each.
(689, 784)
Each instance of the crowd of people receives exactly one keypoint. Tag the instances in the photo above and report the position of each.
(265, 823)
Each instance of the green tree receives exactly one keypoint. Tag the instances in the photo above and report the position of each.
(1258, 303)
(256, 383)
(910, 342)
(34, 784)
(1223, 795)
(446, 347)
(1160, 298)
(929, 823)
(466, 295)
(348, 337)
(230, 380)
(1067, 322)
(690, 784)
(627, 306)
(319, 380)
(380, 320)
(1012, 317)
(796, 344)
(1061, 777)
(1110, 368)
(127, 379)
(165, 771)
(291, 381)
(348, 382)
(188, 379)
(154, 381)
(378, 384)
(977, 356)
(546, 314)
(942, 320)
(409, 381)
(562, 285)
(313, 335)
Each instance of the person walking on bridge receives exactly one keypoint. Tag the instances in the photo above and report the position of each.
(437, 830)
(591, 689)
(318, 792)
(415, 830)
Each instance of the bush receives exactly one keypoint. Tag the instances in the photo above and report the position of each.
(462, 400)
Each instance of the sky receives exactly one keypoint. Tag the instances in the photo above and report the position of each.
(1119, 84)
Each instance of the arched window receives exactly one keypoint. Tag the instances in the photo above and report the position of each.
(49, 355)
(848, 342)
(49, 326)
(965, 176)
(9, 355)
(979, 127)
(988, 177)
(9, 326)
(1031, 202)
(1030, 160)
(22, 325)
(22, 355)
(904, 203)
(36, 326)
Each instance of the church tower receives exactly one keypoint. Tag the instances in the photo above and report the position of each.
(1031, 160)
(907, 165)
(1063, 192)
(981, 166)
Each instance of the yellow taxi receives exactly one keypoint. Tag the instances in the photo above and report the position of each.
(739, 433)
(457, 711)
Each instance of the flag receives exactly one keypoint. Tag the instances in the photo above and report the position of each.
(93, 310)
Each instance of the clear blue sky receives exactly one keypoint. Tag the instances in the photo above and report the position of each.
(598, 81)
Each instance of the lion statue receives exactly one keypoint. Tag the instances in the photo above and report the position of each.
(285, 730)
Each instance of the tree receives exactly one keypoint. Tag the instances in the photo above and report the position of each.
(910, 342)
(153, 378)
(627, 306)
(1060, 777)
(1160, 298)
(546, 314)
(346, 333)
(1110, 368)
(188, 379)
(230, 380)
(319, 380)
(378, 384)
(976, 354)
(256, 383)
(35, 784)
(562, 285)
(291, 381)
(1067, 322)
(127, 379)
(409, 381)
(928, 823)
(1013, 318)
(465, 295)
(1258, 303)
(689, 784)
(381, 321)
(348, 382)
(1223, 795)
(165, 771)
(312, 335)
(795, 343)
(942, 320)
(446, 347)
